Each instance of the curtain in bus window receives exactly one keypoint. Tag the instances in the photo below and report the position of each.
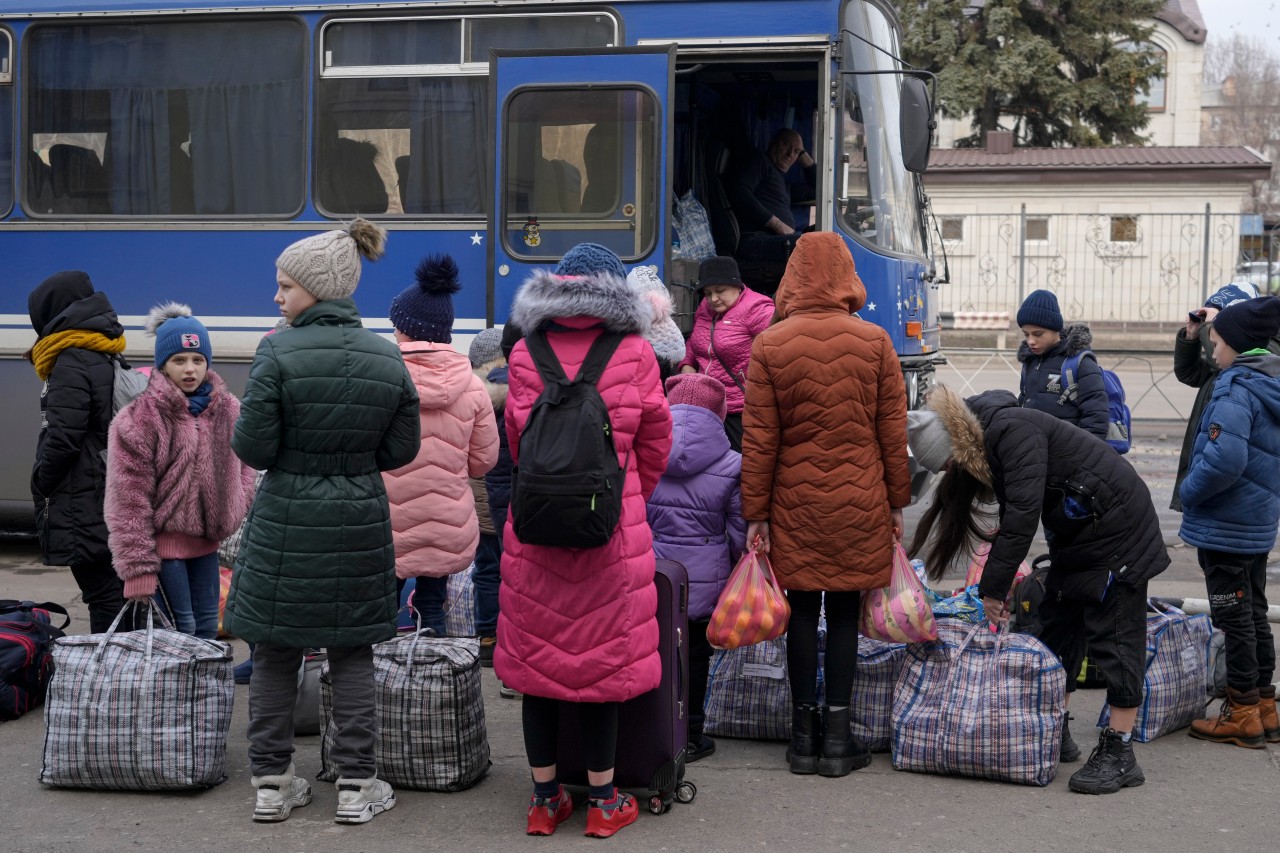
(140, 139)
(449, 151)
(244, 144)
(6, 148)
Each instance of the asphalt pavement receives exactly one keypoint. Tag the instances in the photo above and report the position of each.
(1198, 796)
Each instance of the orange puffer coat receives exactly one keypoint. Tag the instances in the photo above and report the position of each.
(824, 451)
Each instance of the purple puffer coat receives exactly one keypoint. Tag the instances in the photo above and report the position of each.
(696, 510)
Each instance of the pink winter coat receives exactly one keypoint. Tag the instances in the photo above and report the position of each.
(581, 624)
(735, 330)
(174, 486)
(433, 513)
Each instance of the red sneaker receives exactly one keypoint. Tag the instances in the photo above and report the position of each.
(605, 817)
(546, 814)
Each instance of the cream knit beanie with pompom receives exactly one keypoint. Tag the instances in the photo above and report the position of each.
(328, 265)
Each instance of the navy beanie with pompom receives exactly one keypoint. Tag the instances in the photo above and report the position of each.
(590, 259)
(1040, 308)
(424, 311)
(177, 331)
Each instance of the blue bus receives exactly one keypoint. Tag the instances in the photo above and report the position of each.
(173, 149)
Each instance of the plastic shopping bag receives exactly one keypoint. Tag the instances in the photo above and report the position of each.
(899, 613)
(752, 608)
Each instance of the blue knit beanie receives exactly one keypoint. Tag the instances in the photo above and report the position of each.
(1040, 308)
(424, 311)
(590, 259)
(177, 331)
(1230, 294)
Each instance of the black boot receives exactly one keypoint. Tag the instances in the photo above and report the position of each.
(1111, 766)
(700, 746)
(1070, 752)
(842, 752)
(806, 735)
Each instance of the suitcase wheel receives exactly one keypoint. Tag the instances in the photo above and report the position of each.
(659, 804)
(686, 791)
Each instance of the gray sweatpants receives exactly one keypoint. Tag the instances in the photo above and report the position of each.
(273, 692)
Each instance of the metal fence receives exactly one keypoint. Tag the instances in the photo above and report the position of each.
(1122, 269)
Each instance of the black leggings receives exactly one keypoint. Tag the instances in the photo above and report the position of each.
(541, 718)
(842, 645)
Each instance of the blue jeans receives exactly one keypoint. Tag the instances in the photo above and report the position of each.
(486, 578)
(188, 594)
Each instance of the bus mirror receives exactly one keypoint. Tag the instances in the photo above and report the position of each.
(916, 116)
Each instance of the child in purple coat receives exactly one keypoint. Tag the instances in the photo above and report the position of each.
(696, 517)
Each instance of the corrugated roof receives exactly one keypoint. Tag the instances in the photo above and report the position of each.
(1173, 157)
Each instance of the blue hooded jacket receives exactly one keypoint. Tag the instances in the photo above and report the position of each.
(1231, 494)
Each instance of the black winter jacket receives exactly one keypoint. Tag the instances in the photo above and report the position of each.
(68, 479)
(1043, 383)
(1037, 463)
(497, 482)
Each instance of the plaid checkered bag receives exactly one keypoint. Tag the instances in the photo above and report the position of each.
(460, 604)
(138, 711)
(748, 694)
(1173, 688)
(979, 704)
(430, 711)
(873, 681)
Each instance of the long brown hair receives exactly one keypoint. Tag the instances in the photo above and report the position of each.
(960, 512)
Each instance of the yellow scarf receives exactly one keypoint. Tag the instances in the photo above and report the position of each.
(46, 350)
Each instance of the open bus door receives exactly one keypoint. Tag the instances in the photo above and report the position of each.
(581, 150)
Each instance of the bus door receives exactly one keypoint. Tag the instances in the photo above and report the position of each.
(580, 155)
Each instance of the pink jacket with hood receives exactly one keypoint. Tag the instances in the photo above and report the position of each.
(433, 512)
(581, 624)
(735, 330)
(174, 486)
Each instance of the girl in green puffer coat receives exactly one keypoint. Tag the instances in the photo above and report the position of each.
(328, 407)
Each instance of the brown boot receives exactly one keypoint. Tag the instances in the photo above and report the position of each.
(1267, 711)
(1238, 722)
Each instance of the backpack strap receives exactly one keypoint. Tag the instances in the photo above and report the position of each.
(549, 368)
(1070, 375)
(14, 606)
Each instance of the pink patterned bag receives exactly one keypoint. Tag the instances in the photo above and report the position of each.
(899, 613)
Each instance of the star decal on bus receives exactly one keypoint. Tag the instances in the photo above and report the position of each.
(476, 238)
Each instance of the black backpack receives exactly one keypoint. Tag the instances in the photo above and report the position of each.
(1024, 616)
(26, 661)
(567, 490)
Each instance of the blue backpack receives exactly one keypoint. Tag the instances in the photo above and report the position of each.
(1119, 418)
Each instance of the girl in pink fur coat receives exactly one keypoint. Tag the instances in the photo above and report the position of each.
(174, 487)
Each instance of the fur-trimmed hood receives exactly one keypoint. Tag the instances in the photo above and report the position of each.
(545, 297)
(1076, 338)
(968, 447)
(497, 391)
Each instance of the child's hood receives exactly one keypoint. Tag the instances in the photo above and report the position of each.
(697, 440)
(493, 376)
(440, 372)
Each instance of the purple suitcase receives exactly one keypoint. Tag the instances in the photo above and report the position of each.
(654, 727)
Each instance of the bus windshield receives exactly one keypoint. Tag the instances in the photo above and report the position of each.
(878, 196)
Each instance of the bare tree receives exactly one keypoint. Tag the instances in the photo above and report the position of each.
(1242, 106)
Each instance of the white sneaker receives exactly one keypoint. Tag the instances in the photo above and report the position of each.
(361, 800)
(508, 692)
(279, 795)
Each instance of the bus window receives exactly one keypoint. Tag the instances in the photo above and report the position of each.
(6, 122)
(580, 166)
(166, 119)
(404, 103)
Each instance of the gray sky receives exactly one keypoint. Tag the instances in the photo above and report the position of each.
(1259, 18)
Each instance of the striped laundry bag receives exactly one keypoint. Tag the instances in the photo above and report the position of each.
(460, 604)
(1173, 687)
(430, 712)
(138, 711)
(979, 704)
(748, 691)
(879, 664)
